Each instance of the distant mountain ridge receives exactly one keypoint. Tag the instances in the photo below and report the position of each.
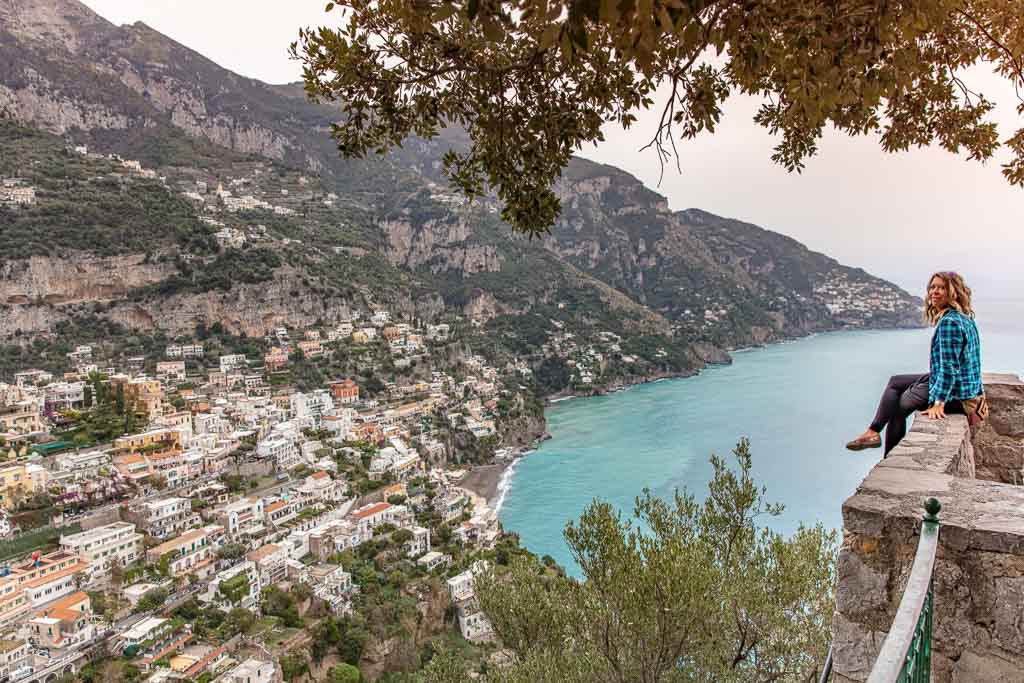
(361, 233)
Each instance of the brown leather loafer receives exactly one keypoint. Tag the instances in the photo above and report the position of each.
(862, 443)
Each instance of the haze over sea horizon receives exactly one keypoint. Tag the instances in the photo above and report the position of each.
(798, 402)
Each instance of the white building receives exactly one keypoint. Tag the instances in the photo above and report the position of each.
(165, 517)
(281, 446)
(237, 586)
(18, 196)
(184, 351)
(371, 516)
(473, 623)
(419, 544)
(190, 553)
(319, 487)
(232, 361)
(271, 561)
(31, 378)
(15, 659)
(243, 517)
(433, 560)
(171, 371)
(314, 404)
(397, 459)
(83, 463)
(250, 671)
(105, 547)
(460, 586)
(331, 584)
(339, 424)
(64, 395)
(438, 332)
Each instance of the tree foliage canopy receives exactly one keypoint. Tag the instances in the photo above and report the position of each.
(531, 81)
(687, 591)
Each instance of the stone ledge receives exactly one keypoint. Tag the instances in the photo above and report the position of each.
(979, 574)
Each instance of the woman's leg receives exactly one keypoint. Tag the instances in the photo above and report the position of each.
(889, 404)
(913, 398)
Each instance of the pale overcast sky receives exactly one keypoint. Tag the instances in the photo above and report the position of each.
(898, 216)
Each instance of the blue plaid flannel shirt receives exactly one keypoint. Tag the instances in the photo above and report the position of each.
(955, 371)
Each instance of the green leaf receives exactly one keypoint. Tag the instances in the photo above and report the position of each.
(444, 12)
(492, 30)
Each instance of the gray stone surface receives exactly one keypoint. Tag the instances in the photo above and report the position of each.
(979, 572)
(861, 589)
(987, 669)
(999, 441)
(1006, 396)
(1009, 613)
(854, 648)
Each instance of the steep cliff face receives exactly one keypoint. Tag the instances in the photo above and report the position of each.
(716, 279)
(77, 278)
(39, 292)
(442, 244)
(64, 68)
(254, 310)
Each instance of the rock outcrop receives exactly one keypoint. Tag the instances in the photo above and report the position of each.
(77, 278)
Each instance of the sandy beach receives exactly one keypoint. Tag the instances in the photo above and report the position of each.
(483, 480)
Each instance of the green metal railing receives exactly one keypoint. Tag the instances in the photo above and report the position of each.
(906, 655)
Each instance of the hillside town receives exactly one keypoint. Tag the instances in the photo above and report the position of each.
(138, 496)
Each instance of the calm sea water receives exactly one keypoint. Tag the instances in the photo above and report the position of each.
(798, 402)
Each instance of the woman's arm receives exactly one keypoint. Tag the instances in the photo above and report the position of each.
(945, 360)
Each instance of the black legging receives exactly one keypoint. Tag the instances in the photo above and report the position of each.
(902, 396)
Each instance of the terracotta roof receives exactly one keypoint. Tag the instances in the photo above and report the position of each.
(203, 663)
(398, 489)
(262, 552)
(274, 507)
(70, 600)
(53, 576)
(63, 614)
(320, 475)
(176, 543)
(372, 510)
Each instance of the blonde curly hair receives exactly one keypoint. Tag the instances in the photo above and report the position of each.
(958, 292)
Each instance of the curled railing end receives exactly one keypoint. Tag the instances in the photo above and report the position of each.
(931, 510)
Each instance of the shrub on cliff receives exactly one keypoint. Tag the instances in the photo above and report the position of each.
(686, 591)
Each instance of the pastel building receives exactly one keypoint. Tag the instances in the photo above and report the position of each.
(190, 553)
(38, 581)
(65, 624)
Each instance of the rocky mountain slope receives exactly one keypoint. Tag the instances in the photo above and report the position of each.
(322, 236)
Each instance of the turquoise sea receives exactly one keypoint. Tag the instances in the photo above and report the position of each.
(797, 401)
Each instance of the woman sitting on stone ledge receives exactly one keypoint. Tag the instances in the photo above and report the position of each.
(953, 383)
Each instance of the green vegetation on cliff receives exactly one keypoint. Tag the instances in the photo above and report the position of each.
(85, 204)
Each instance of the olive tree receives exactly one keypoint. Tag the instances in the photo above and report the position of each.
(683, 591)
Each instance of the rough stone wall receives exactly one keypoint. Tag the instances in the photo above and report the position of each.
(979, 575)
(999, 441)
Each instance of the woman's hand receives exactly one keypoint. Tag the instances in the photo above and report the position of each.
(937, 411)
